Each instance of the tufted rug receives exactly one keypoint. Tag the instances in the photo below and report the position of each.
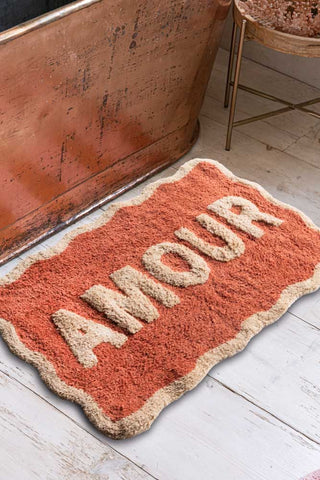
(127, 314)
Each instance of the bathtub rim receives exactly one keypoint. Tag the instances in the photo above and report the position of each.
(44, 19)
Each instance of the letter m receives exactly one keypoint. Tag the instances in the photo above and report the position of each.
(122, 309)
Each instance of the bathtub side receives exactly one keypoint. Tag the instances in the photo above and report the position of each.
(93, 102)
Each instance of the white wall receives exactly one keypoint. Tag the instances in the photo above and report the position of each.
(304, 69)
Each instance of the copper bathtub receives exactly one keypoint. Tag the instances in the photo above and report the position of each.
(94, 96)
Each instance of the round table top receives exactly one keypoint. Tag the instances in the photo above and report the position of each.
(263, 33)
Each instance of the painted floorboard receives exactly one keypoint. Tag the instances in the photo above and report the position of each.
(213, 433)
(39, 442)
(307, 147)
(308, 309)
(279, 372)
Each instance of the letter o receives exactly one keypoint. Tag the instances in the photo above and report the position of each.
(198, 273)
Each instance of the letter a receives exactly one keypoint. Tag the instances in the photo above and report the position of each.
(82, 335)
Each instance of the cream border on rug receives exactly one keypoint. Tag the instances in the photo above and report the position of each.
(141, 420)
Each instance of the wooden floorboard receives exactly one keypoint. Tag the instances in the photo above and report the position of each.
(279, 372)
(255, 416)
(214, 433)
(40, 442)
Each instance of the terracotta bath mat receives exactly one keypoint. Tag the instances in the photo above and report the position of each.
(128, 314)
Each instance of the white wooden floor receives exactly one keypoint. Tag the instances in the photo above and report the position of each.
(255, 416)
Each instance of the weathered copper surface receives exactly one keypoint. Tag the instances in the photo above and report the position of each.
(94, 100)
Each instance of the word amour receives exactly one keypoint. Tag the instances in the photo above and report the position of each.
(128, 309)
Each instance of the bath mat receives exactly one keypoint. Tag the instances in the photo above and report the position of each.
(127, 314)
